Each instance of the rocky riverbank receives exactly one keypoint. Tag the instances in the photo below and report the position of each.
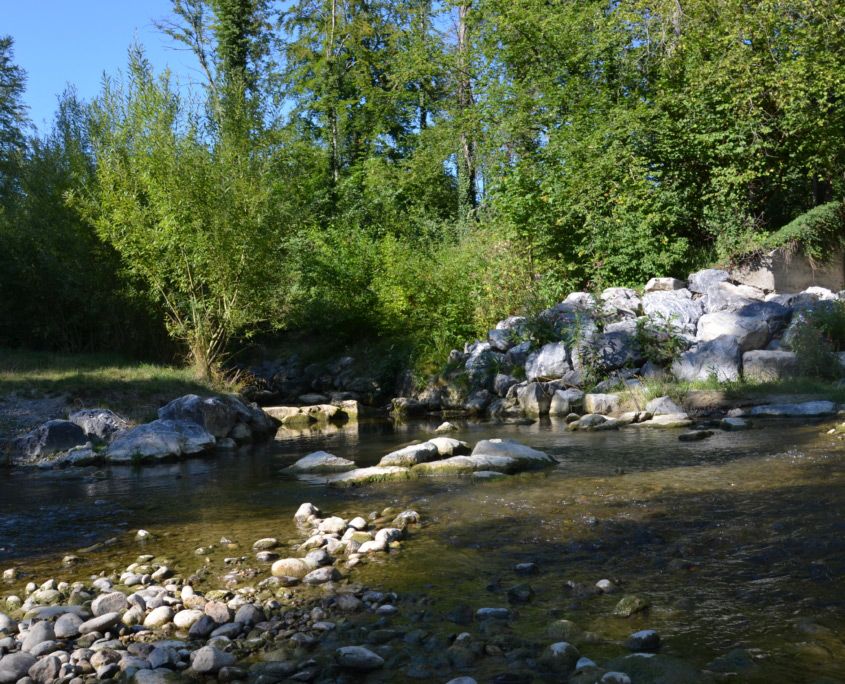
(306, 619)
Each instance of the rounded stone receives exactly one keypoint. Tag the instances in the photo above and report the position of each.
(358, 658)
(184, 619)
(159, 617)
(209, 660)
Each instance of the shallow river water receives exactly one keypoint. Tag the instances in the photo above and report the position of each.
(737, 541)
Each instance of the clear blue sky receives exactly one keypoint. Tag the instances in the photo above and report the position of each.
(60, 42)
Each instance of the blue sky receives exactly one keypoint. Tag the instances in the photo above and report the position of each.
(60, 42)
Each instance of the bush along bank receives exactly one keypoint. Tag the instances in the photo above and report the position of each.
(707, 327)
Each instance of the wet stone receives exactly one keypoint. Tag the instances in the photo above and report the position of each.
(630, 604)
(644, 640)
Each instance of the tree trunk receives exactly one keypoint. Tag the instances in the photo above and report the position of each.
(467, 201)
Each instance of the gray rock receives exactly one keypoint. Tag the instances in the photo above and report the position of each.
(99, 424)
(720, 358)
(209, 660)
(358, 658)
(322, 575)
(620, 301)
(368, 475)
(809, 408)
(202, 628)
(305, 511)
(410, 455)
(249, 613)
(777, 317)
(666, 421)
(518, 355)
(764, 366)
(502, 383)
(216, 415)
(46, 670)
(677, 307)
(103, 623)
(321, 462)
(533, 399)
(478, 401)
(660, 284)
(38, 633)
(159, 617)
(15, 666)
(751, 333)
(447, 446)
(512, 449)
(112, 602)
(548, 362)
(662, 405)
(601, 404)
(702, 281)
(47, 439)
(67, 626)
(644, 640)
(291, 567)
(732, 423)
(559, 405)
(163, 656)
(7, 624)
(610, 351)
(500, 339)
(559, 658)
(160, 439)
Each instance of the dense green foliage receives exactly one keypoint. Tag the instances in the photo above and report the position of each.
(416, 169)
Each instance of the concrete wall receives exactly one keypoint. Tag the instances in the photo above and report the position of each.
(776, 272)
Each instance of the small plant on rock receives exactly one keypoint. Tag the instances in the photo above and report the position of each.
(818, 337)
(658, 340)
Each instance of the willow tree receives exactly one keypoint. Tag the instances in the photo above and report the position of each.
(189, 203)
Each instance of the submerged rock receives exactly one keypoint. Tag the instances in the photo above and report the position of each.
(808, 408)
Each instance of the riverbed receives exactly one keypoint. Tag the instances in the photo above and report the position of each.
(737, 541)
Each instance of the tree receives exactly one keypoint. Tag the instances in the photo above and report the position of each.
(13, 122)
(192, 207)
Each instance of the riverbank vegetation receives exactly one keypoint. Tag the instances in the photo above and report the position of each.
(412, 172)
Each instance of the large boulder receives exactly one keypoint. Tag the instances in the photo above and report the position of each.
(613, 350)
(620, 301)
(720, 357)
(217, 416)
(411, 455)
(601, 404)
(533, 399)
(160, 439)
(361, 476)
(702, 281)
(321, 462)
(676, 307)
(548, 362)
(750, 332)
(775, 315)
(49, 438)
(509, 448)
(99, 424)
(764, 366)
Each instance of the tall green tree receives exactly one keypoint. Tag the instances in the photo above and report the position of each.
(13, 123)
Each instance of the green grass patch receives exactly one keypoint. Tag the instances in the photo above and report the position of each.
(132, 388)
(742, 389)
